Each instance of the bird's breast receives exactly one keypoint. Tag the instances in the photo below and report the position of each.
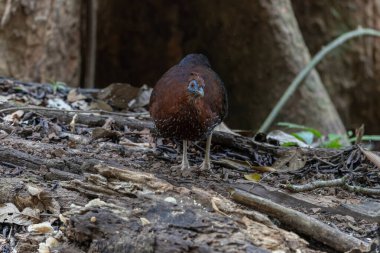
(187, 121)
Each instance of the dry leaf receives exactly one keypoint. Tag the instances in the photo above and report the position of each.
(43, 248)
(43, 200)
(128, 142)
(171, 200)
(58, 103)
(33, 214)
(293, 160)
(109, 124)
(144, 221)
(283, 137)
(142, 98)
(10, 214)
(14, 117)
(63, 219)
(41, 228)
(263, 168)
(100, 132)
(34, 191)
(359, 132)
(100, 105)
(52, 242)
(118, 94)
(255, 177)
(74, 96)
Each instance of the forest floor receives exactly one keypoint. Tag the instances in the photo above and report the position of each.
(79, 175)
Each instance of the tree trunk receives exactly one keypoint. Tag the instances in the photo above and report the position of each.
(40, 40)
(351, 73)
(258, 49)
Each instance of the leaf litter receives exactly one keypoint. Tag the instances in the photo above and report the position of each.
(50, 137)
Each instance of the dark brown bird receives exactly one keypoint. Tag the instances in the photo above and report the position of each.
(188, 102)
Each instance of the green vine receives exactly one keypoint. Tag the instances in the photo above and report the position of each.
(310, 66)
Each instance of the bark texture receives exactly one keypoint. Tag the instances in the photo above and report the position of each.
(351, 72)
(261, 43)
(40, 40)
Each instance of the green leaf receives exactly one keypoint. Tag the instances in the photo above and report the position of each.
(253, 177)
(289, 144)
(301, 127)
(305, 136)
(333, 141)
(57, 85)
(20, 89)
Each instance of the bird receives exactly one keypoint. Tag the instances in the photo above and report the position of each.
(187, 103)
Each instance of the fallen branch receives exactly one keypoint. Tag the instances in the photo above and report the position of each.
(316, 184)
(301, 223)
(98, 119)
(363, 190)
(40, 108)
(342, 182)
(90, 118)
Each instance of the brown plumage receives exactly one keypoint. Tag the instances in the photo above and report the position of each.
(188, 102)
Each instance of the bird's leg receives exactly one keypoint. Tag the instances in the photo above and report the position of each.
(185, 162)
(206, 165)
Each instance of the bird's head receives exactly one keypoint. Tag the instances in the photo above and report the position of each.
(196, 85)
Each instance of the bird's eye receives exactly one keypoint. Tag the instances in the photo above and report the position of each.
(193, 84)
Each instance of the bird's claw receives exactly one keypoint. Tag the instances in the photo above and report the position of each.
(182, 170)
(180, 167)
(205, 166)
(185, 170)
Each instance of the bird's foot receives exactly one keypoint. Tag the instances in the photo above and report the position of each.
(182, 169)
(185, 170)
(205, 166)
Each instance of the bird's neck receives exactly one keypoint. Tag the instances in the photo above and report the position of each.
(191, 106)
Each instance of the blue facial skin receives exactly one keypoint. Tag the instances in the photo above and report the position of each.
(195, 88)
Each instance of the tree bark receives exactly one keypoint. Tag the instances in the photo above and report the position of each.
(351, 72)
(40, 40)
(259, 68)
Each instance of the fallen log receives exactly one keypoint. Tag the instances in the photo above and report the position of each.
(301, 223)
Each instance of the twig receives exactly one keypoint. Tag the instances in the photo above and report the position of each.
(225, 163)
(10, 232)
(310, 66)
(301, 222)
(342, 182)
(316, 184)
(324, 161)
(363, 190)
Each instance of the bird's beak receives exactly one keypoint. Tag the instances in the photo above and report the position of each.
(200, 92)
